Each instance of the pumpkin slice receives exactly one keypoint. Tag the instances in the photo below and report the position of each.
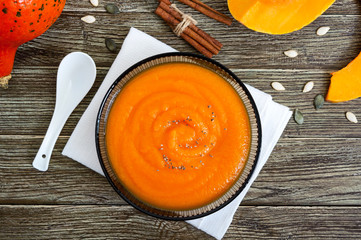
(277, 16)
(346, 84)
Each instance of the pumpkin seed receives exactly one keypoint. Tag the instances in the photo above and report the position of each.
(308, 87)
(319, 101)
(278, 86)
(88, 19)
(112, 8)
(351, 117)
(110, 44)
(95, 3)
(291, 53)
(322, 31)
(298, 116)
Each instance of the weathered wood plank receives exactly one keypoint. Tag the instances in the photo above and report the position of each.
(315, 164)
(310, 172)
(123, 222)
(27, 106)
(299, 172)
(329, 121)
(340, 7)
(295, 223)
(243, 48)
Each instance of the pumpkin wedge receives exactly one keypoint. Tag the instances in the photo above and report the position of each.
(277, 16)
(346, 84)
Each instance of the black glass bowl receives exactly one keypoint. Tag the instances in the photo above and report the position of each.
(229, 77)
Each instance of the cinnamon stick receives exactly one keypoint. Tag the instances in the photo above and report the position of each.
(168, 2)
(204, 41)
(200, 32)
(206, 10)
(188, 32)
(172, 22)
(211, 9)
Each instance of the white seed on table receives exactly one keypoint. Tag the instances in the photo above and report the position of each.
(308, 87)
(322, 31)
(88, 19)
(291, 53)
(351, 117)
(95, 3)
(278, 86)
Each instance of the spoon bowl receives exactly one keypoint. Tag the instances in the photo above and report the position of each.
(76, 75)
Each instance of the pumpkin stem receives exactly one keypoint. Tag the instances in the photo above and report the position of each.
(4, 81)
(7, 55)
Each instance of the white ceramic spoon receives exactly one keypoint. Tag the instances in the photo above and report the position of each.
(76, 75)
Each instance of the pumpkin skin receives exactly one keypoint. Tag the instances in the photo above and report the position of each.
(277, 16)
(22, 21)
(346, 84)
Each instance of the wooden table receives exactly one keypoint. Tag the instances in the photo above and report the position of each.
(309, 188)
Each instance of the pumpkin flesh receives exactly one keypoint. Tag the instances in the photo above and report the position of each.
(346, 84)
(277, 16)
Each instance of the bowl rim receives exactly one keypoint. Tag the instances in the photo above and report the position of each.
(246, 91)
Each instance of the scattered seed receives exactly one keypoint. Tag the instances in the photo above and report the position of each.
(322, 31)
(298, 116)
(110, 44)
(95, 3)
(278, 86)
(308, 86)
(112, 8)
(291, 53)
(88, 19)
(319, 101)
(351, 117)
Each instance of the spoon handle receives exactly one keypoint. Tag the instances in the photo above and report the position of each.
(42, 158)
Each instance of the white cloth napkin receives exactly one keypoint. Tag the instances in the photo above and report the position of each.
(138, 46)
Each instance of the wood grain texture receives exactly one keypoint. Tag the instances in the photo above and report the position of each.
(309, 188)
(340, 7)
(299, 172)
(123, 222)
(27, 106)
(242, 48)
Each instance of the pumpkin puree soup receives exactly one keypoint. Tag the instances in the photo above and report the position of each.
(178, 136)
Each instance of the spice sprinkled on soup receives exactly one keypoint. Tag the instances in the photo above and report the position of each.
(178, 136)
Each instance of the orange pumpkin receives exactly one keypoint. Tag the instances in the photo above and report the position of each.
(277, 16)
(22, 21)
(346, 84)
